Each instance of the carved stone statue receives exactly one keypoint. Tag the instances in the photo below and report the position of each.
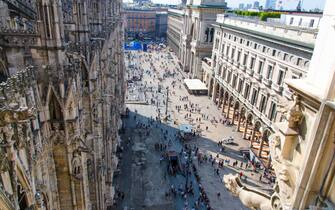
(295, 115)
(249, 197)
(11, 115)
(76, 165)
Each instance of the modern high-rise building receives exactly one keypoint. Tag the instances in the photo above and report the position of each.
(270, 4)
(241, 6)
(256, 5)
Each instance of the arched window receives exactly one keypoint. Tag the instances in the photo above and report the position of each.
(206, 34)
(211, 34)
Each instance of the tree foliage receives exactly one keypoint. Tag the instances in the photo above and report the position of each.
(262, 15)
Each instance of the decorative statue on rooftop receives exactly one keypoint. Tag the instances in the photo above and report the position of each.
(295, 115)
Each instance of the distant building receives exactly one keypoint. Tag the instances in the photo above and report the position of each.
(303, 20)
(270, 4)
(287, 5)
(249, 6)
(193, 27)
(241, 6)
(146, 24)
(256, 5)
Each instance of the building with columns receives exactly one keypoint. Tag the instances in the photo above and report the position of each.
(175, 28)
(197, 33)
(61, 97)
(246, 72)
(302, 146)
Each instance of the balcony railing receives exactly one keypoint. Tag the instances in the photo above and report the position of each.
(258, 76)
(267, 82)
(277, 87)
(250, 71)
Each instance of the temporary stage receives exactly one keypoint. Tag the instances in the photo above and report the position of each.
(195, 86)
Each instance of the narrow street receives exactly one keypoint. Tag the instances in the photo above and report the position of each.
(150, 136)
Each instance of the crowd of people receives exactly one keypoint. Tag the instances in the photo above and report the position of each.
(190, 189)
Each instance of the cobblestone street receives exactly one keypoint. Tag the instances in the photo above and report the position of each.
(144, 178)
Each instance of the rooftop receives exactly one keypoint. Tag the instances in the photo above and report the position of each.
(303, 38)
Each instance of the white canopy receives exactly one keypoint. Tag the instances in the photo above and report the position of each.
(195, 84)
(185, 128)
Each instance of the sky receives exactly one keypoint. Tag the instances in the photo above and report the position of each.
(308, 4)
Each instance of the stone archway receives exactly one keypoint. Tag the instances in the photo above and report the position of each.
(225, 101)
(241, 117)
(229, 111)
(256, 135)
(236, 113)
(221, 93)
(264, 151)
(247, 125)
(216, 93)
(210, 87)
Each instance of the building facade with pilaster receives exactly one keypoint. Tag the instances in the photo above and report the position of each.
(246, 72)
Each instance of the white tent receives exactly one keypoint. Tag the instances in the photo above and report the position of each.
(195, 86)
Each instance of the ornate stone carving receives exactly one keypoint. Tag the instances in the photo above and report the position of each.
(76, 164)
(295, 115)
(249, 197)
(15, 115)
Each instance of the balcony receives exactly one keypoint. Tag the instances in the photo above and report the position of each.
(250, 71)
(287, 93)
(231, 61)
(243, 68)
(236, 64)
(258, 76)
(277, 88)
(267, 82)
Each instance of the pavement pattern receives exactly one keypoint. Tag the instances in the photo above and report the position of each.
(157, 105)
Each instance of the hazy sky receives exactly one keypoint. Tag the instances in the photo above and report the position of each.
(308, 4)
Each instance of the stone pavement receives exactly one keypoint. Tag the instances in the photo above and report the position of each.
(207, 143)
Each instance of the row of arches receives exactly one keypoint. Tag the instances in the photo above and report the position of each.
(253, 129)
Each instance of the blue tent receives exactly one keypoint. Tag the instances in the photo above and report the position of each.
(134, 45)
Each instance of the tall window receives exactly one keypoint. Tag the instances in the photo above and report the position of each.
(216, 44)
(254, 96)
(273, 111)
(311, 23)
(246, 91)
(245, 59)
(224, 73)
(291, 20)
(252, 63)
(262, 104)
(300, 21)
(234, 81)
(260, 67)
(223, 46)
(211, 35)
(227, 51)
(239, 87)
(269, 73)
(229, 77)
(232, 53)
(238, 56)
(280, 77)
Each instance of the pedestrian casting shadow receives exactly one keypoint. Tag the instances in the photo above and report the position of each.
(137, 125)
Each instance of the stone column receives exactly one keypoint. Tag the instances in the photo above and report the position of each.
(261, 146)
(220, 98)
(245, 129)
(234, 112)
(229, 102)
(214, 94)
(239, 121)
